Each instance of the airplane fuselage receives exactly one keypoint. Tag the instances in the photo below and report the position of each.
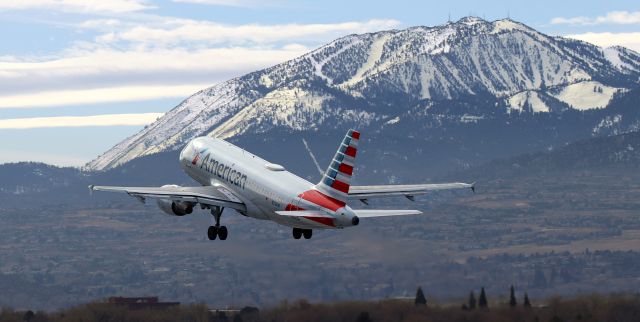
(262, 186)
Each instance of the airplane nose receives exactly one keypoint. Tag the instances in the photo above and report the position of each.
(355, 220)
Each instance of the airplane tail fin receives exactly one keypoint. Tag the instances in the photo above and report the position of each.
(337, 178)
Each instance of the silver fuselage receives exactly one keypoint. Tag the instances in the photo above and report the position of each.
(262, 186)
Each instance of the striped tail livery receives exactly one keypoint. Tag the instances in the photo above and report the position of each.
(337, 178)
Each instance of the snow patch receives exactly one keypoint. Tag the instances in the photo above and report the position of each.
(507, 25)
(471, 118)
(587, 95)
(266, 80)
(393, 120)
(608, 123)
(612, 54)
(471, 21)
(284, 106)
(318, 65)
(375, 53)
(527, 99)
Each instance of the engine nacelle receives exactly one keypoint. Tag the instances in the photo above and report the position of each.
(175, 208)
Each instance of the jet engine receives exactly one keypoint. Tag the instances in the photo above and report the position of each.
(175, 208)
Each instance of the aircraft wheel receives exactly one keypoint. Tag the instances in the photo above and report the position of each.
(297, 233)
(222, 233)
(307, 233)
(212, 233)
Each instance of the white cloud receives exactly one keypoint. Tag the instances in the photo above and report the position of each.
(629, 40)
(80, 121)
(184, 30)
(107, 68)
(614, 17)
(162, 57)
(99, 95)
(235, 3)
(77, 6)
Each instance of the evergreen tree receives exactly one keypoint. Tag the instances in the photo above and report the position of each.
(482, 301)
(526, 300)
(512, 300)
(472, 301)
(363, 317)
(28, 316)
(420, 298)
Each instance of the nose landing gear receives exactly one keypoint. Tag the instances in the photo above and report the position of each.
(217, 230)
(299, 232)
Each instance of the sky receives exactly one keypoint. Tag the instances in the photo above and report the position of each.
(79, 76)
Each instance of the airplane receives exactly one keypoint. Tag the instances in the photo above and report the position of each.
(231, 177)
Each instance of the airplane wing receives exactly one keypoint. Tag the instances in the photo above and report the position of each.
(207, 195)
(409, 190)
(369, 213)
(362, 213)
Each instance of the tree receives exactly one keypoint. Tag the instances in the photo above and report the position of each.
(420, 298)
(472, 301)
(512, 300)
(526, 300)
(28, 316)
(363, 317)
(482, 301)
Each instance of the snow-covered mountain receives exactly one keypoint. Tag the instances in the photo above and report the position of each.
(421, 82)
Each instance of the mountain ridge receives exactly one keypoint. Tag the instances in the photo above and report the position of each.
(367, 80)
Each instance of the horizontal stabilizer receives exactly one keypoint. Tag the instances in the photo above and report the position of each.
(305, 214)
(366, 213)
(365, 192)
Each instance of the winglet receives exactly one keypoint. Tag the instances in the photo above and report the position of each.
(91, 189)
(473, 187)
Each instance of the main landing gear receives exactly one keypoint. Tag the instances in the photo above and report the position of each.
(299, 232)
(217, 230)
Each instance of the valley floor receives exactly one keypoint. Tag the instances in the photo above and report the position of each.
(559, 233)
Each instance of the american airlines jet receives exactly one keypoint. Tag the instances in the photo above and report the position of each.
(234, 178)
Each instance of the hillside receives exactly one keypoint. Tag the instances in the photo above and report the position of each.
(411, 91)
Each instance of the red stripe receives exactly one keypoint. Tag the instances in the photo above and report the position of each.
(350, 151)
(291, 207)
(195, 159)
(322, 220)
(346, 169)
(341, 186)
(355, 135)
(318, 198)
